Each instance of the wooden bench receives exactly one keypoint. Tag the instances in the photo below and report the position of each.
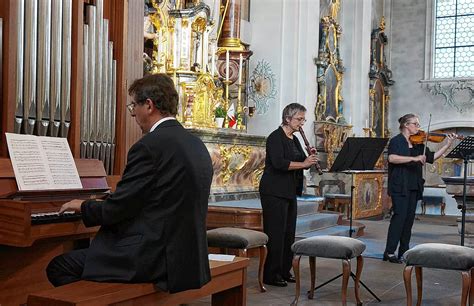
(227, 287)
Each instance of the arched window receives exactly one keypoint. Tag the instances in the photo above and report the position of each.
(453, 52)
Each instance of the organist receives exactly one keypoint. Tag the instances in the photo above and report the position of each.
(153, 227)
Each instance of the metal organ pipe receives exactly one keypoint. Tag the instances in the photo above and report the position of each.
(19, 67)
(55, 84)
(63, 115)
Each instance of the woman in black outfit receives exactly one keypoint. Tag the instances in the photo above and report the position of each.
(281, 182)
(405, 183)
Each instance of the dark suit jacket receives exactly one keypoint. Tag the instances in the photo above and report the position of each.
(399, 174)
(277, 180)
(153, 227)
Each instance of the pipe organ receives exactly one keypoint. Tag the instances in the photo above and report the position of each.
(43, 75)
(43, 81)
(99, 87)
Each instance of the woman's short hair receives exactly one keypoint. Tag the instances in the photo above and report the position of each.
(290, 111)
(404, 120)
(160, 89)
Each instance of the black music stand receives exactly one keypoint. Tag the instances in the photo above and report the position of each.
(464, 150)
(357, 153)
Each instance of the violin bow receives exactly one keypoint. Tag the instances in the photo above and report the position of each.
(427, 134)
(426, 143)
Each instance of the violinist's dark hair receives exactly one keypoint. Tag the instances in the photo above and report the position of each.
(404, 120)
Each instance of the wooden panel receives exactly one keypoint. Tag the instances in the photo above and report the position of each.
(77, 34)
(8, 12)
(127, 34)
(234, 217)
(22, 270)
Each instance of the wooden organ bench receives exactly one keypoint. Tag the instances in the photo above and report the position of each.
(227, 287)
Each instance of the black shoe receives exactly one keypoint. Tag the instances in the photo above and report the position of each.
(391, 258)
(290, 279)
(277, 283)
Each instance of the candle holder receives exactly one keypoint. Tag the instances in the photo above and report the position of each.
(226, 102)
(368, 132)
(240, 112)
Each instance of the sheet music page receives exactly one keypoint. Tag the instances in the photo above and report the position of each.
(42, 162)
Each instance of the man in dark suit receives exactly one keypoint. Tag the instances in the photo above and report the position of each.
(153, 227)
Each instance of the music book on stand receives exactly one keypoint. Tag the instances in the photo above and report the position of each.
(42, 163)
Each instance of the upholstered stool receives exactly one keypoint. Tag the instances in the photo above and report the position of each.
(440, 256)
(242, 240)
(336, 247)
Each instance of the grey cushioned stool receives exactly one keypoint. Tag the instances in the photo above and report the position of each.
(440, 256)
(336, 247)
(242, 240)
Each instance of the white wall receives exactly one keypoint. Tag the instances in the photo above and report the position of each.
(355, 53)
(285, 34)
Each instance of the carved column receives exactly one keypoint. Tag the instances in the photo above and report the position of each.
(230, 32)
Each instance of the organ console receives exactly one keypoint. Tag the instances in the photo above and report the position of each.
(32, 232)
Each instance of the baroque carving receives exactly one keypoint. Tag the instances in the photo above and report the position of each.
(458, 95)
(380, 81)
(234, 158)
(262, 89)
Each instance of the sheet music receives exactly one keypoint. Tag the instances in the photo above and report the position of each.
(41, 162)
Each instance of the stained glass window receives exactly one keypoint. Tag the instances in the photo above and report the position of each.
(454, 39)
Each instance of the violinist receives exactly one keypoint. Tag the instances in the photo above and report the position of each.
(281, 182)
(405, 182)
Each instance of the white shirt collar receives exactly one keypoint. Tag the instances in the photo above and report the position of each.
(160, 122)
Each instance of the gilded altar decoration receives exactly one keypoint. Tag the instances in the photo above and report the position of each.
(262, 89)
(181, 39)
(199, 102)
(330, 70)
(380, 81)
(234, 158)
(367, 195)
(330, 137)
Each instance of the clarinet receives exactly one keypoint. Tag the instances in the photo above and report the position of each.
(311, 150)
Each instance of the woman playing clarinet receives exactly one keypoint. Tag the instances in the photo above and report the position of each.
(405, 183)
(281, 182)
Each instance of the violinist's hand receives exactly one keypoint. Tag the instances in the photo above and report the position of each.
(310, 160)
(420, 158)
(451, 138)
(74, 205)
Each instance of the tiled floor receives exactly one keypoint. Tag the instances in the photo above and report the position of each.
(440, 287)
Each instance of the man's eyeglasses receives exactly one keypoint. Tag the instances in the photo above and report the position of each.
(414, 123)
(131, 106)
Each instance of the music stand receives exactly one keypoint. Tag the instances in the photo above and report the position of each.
(464, 150)
(357, 153)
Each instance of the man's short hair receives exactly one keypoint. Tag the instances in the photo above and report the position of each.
(160, 89)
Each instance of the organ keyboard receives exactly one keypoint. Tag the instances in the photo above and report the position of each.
(54, 217)
(32, 232)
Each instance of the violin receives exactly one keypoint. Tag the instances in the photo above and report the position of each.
(311, 150)
(420, 137)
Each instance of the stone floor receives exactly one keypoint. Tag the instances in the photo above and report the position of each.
(440, 287)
